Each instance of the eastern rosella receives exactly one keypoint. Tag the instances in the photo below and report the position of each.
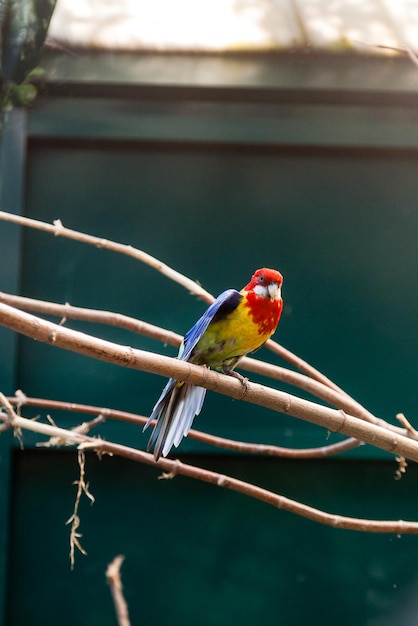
(238, 322)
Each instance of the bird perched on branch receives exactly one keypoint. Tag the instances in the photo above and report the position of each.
(237, 323)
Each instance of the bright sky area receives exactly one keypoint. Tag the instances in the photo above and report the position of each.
(219, 25)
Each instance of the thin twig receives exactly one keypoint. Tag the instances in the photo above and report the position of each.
(59, 230)
(9, 421)
(176, 467)
(84, 428)
(115, 584)
(74, 520)
(407, 425)
(403, 49)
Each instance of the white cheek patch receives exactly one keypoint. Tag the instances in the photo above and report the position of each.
(261, 291)
(275, 292)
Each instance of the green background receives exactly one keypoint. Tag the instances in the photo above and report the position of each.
(294, 169)
(199, 554)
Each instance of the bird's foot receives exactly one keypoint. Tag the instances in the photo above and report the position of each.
(241, 378)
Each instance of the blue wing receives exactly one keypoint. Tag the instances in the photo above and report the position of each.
(226, 302)
(177, 406)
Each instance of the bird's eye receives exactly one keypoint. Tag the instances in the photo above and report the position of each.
(261, 278)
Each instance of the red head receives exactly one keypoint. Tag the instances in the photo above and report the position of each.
(264, 300)
(266, 283)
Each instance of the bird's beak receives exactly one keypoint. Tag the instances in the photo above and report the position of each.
(275, 291)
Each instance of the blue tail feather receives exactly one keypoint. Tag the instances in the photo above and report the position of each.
(178, 404)
(174, 412)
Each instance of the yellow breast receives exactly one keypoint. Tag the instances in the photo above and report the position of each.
(232, 336)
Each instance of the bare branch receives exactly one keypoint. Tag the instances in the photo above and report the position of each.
(175, 467)
(314, 387)
(304, 367)
(220, 442)
(59, 230)
(331, 419)
(315, 384)
(115, 584)
(369, 429)
(67, 311)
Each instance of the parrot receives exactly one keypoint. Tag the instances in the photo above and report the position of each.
(235, 324)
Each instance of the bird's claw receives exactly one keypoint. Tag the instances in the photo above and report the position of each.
(240, 377)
